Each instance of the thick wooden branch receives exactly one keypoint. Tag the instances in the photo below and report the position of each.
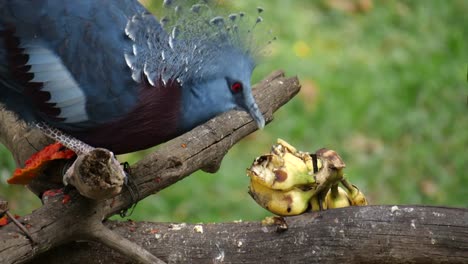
(371, 234)
(58, 222)
(19, 138)
(96, 174)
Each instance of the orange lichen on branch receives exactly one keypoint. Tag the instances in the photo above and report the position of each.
(4, 220)
(39, 161)
(66, 198)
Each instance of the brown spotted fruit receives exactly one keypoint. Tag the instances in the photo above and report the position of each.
(288, 182)
(292, 202)
(283, 181)
(283, 168)
(337, 198)
(317, 204)
(354, 194)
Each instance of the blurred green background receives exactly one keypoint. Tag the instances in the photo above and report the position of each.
(384, 84)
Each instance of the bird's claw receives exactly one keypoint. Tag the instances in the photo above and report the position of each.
(132, 188)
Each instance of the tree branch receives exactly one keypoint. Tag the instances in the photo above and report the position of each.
(58, 221)
(370, 234)
(20, 139)
(113, 240)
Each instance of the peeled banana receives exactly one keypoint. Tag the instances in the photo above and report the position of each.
(288, 182)
(292, 202)
(337, 198)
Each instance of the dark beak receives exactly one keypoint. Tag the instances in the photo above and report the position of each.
(254, 111)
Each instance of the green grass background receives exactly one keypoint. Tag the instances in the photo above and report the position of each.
(385, 86)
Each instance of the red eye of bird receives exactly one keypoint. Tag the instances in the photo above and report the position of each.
(236, 87)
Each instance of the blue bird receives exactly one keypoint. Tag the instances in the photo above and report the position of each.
(110, 74)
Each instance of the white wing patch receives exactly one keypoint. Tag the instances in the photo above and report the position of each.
(45, 67)
(64, 91)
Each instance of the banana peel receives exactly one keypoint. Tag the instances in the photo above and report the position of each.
(337, 198)
(283, 203)
(317, 204)
(289, 182)
(354, 194)
(283, 169)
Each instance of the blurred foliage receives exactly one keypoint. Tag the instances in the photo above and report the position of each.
(384, 84)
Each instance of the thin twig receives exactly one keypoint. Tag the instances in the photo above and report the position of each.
(20, 226)
(102, 234)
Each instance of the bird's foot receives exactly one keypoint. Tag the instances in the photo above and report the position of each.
(79, 147)
(132, 189)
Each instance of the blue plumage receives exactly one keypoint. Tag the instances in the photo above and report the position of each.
(109, 74)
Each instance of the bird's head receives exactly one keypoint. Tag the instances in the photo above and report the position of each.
(222, 84)
(211, 57)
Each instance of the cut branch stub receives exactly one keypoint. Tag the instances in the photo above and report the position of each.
(96, 175)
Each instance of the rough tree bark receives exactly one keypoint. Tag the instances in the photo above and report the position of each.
(369, 234)
(352, 234)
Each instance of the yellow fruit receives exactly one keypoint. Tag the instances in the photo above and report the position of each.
(280, 173)
(292, 202)
(286, 145)
(354, 194)
(287, 181)
(359, 199)
(314, 203)
(337, 198)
